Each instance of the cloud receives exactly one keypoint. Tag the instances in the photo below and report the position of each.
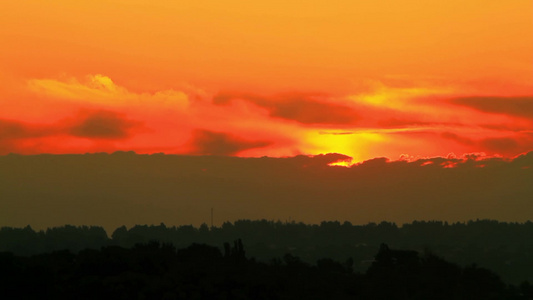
(302, 108)
(524, 160)
(508, 127)
(381, 121)
(10, 132)
(502, 145)
(403, 123)
(446, 188)
(205, 142)
(28, 138)
(509, 145)
(92, 124)
(104, 125)
(102, 91)
(170, 115)
(321, 161)
(337, 132)
(514, 106)
(457, 138)
(18, 136)
(18, 130)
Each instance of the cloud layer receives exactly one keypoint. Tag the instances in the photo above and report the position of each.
(103, 125)
(126, 189)
(513, 106)
(205, 142)
(95, 114)
(305, 109)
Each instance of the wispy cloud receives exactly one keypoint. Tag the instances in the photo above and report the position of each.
(513, 106)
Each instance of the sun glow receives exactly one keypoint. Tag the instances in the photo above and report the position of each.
(353, 144)
(399, 97)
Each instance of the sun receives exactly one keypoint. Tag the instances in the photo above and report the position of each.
(355, 144)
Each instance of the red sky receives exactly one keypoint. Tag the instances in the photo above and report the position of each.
(267, 78)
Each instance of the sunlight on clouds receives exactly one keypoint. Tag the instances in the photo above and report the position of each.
(96, 88)
(353, 144)
(101, 90)
(414, 119)
(397, 98)
(102, 82)
(170, 117)
(169, 98)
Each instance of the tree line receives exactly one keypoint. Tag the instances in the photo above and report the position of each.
(157, 270)
(503, 247)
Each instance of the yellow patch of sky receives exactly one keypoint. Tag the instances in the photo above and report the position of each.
(353, 144)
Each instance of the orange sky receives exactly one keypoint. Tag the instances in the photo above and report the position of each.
(274, 78)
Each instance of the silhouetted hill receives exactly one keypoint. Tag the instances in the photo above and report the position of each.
(503, 247)
(159, 271)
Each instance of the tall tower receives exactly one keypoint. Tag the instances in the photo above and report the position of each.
(211, 217)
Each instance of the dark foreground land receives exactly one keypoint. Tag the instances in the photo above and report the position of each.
(159, 271)
(505, 248)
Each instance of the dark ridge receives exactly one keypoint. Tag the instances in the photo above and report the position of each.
(503, 247)
(158, 271)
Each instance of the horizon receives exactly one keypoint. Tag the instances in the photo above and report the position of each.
(343, 160)
(275, 222)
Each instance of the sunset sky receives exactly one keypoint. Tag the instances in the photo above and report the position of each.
(400, 79)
